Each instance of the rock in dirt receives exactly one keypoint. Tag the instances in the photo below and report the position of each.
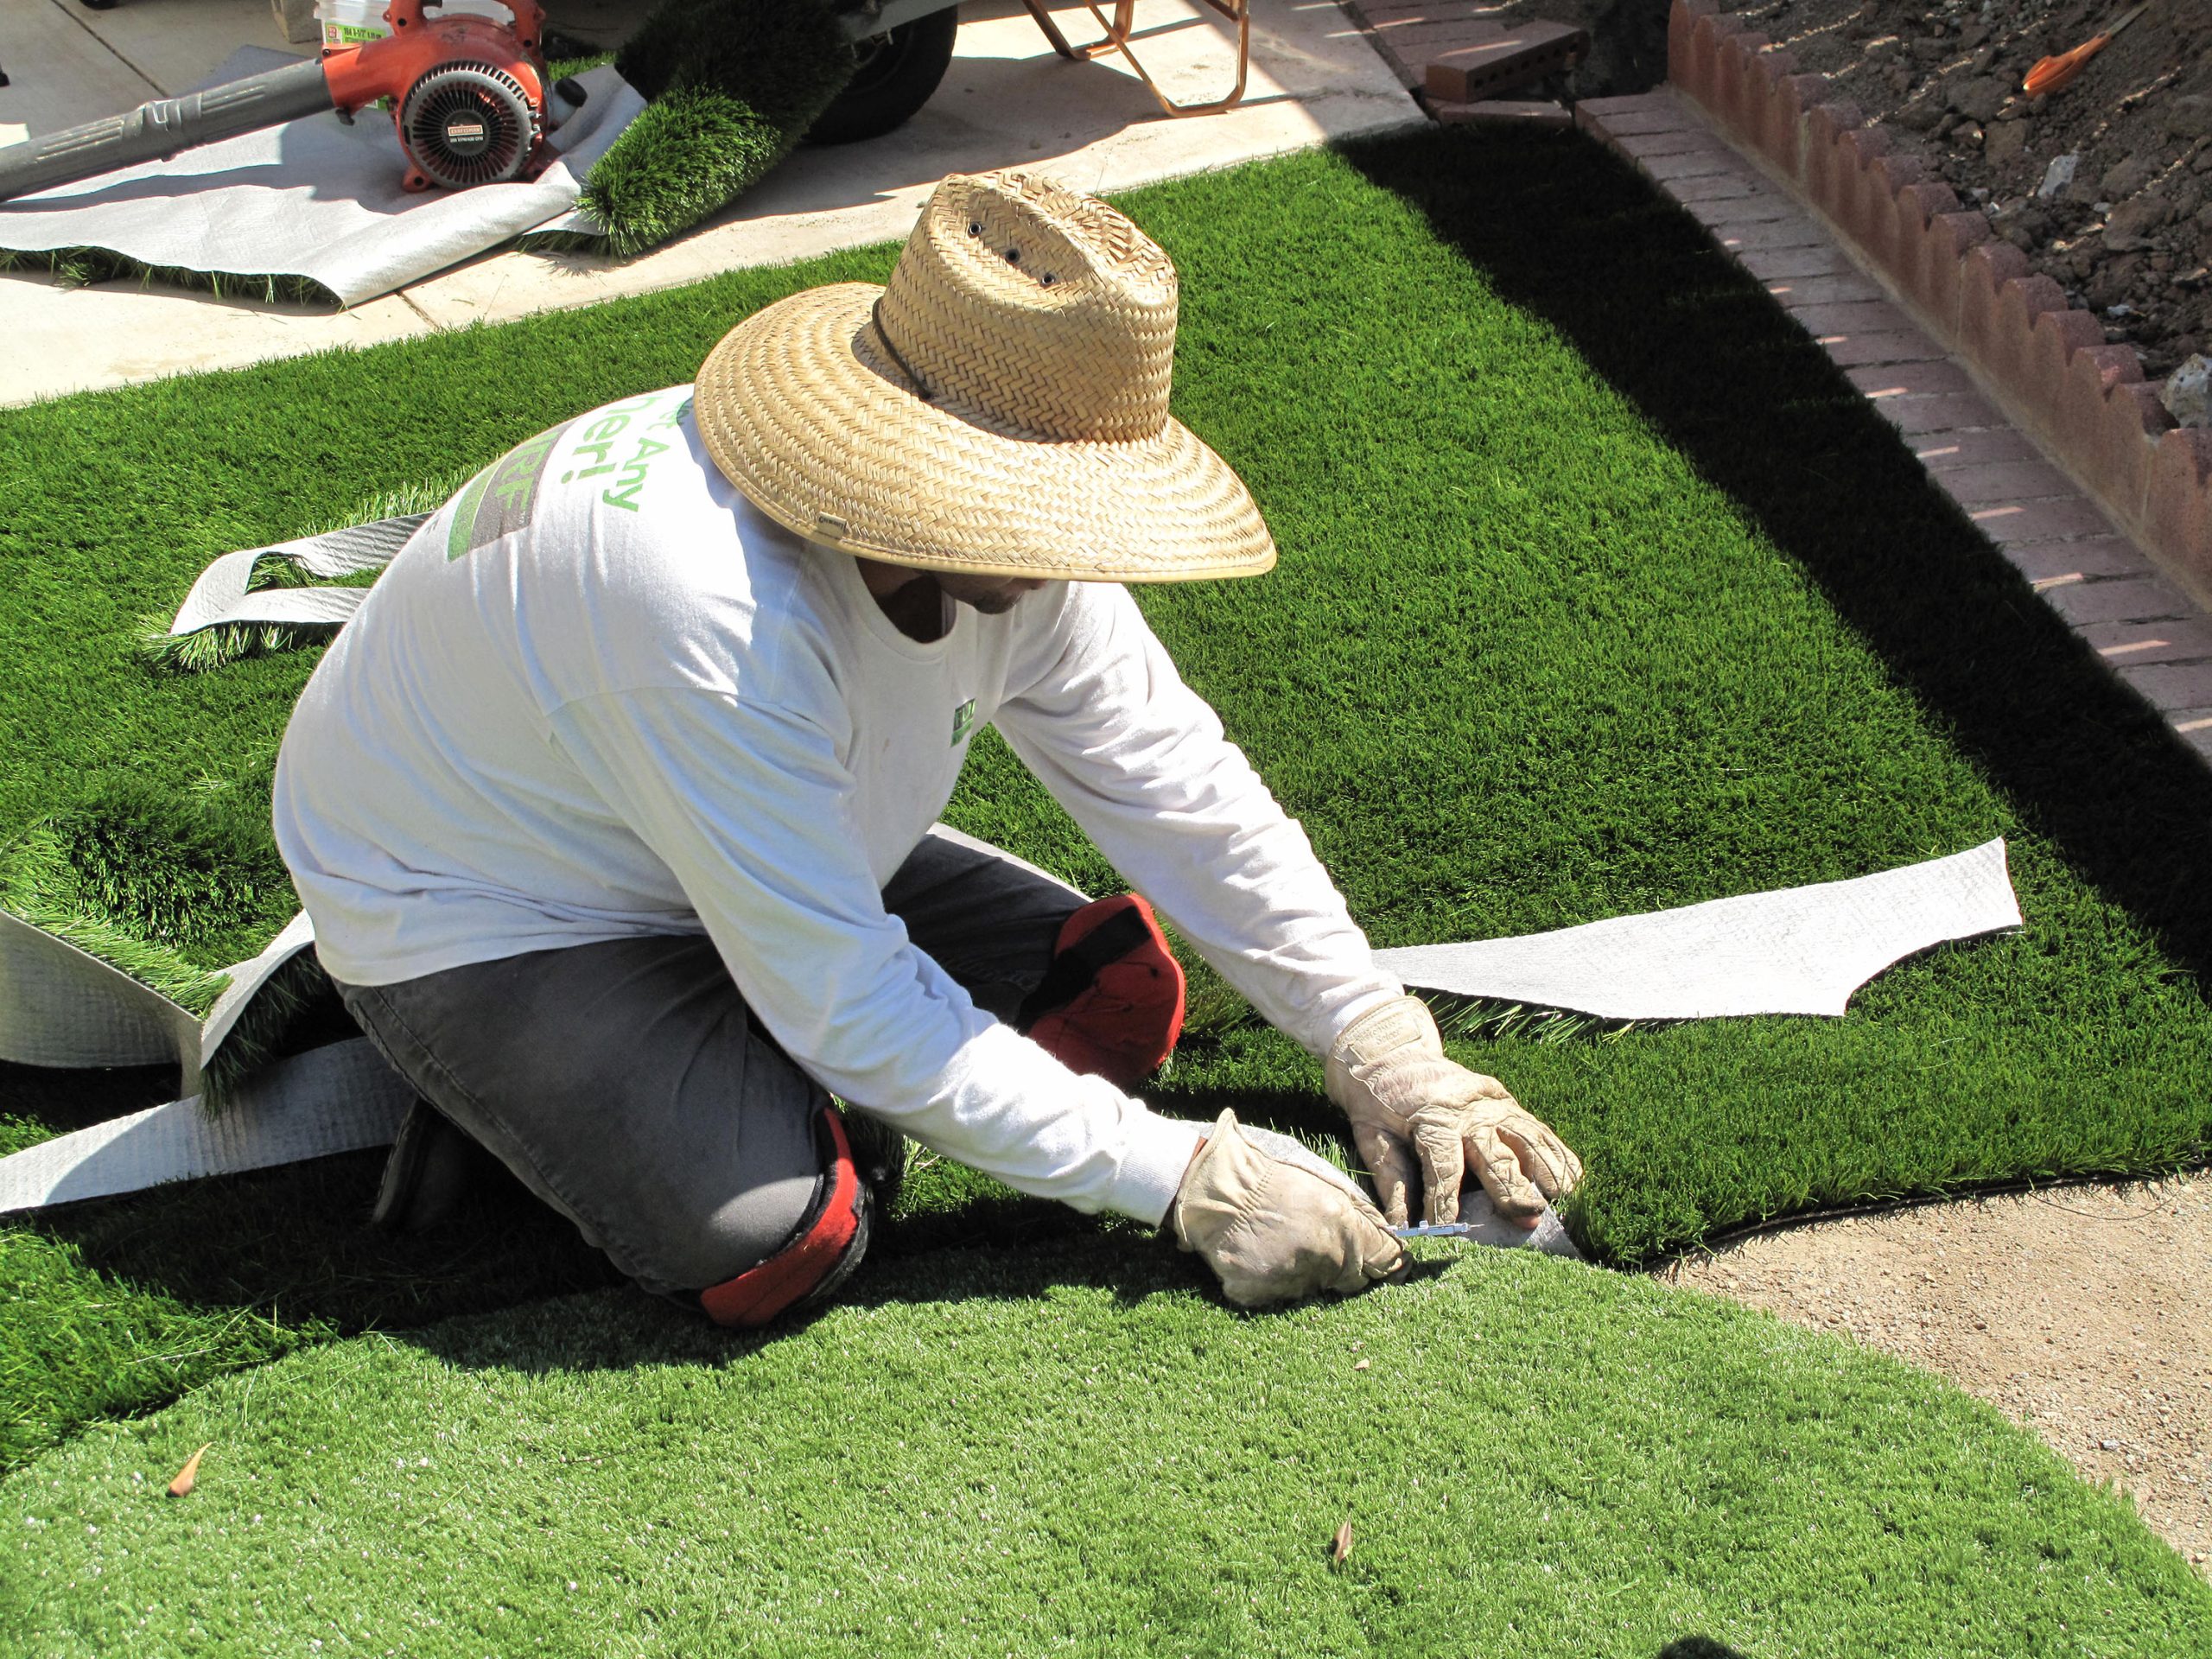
(2188, 116)
(2135, 218)
(2006, 139)
(2187, 394)
(1980, 98)
(2127, 178)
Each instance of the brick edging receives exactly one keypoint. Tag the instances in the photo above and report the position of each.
(2047, 364)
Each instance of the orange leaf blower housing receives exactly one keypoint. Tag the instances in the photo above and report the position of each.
(467, 100)
(467, 96)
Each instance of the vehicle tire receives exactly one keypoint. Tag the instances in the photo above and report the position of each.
(894, 76)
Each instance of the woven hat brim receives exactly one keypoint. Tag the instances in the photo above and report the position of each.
(843, 451)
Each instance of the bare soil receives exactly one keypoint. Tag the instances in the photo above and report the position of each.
(2129, 233)
(2081, 1313)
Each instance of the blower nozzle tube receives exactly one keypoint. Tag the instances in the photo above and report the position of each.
(156, 130)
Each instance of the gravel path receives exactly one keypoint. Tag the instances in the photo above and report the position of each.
(2082, 1312)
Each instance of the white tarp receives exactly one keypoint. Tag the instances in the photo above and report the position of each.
(313, 198)
(1800, 950)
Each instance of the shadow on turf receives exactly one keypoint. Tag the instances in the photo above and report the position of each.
(1716, 369)
(293, 1243)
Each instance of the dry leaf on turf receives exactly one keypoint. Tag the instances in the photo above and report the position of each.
(1341, 1550)
(188, 1474)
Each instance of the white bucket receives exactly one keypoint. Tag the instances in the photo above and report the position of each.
(350, 22)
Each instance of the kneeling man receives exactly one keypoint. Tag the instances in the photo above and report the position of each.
(613, 807)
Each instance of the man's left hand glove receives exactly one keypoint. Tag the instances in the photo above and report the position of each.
(1405, 1098)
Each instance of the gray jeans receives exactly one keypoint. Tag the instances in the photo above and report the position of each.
(626, 1083)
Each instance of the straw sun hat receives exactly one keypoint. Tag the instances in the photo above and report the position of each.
(1000, 408)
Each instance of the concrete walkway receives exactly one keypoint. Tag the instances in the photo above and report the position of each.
(1006, 101)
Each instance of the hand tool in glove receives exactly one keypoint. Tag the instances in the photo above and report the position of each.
(1273, 1231)
(1407, 1100)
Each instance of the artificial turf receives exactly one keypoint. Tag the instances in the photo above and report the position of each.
(1600, 591)
(1069, 1450)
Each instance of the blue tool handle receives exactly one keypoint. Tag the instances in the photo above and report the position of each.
(156, 130)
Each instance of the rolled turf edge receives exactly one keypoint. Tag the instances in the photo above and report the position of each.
(732, 86)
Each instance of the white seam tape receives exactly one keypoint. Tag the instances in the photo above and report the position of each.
(340, 1098)
(221, 594)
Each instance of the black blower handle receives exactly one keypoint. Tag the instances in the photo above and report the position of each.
(156, 130)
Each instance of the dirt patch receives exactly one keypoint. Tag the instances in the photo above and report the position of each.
(2081, 1313)
(2126, 225)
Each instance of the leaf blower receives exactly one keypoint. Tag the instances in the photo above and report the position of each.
(469, 100)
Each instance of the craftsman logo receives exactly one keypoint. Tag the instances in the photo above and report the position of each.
(962, 718)
(499, 500)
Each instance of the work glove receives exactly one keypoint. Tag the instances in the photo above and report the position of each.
(1406, 1100)
(1272, 1231)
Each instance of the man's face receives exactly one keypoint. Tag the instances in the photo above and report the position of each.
(989, 594)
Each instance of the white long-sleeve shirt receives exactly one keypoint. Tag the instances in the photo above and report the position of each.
(598, 695)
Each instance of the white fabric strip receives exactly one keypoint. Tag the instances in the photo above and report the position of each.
(328, 1100)
(1802, 950)
(60, 1007)
(220, 595)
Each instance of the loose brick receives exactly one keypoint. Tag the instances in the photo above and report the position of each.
(1782, 264)
(2169, 687)
(2135, 598)
(1855, 317)
(2052, 564)
(2008, 522)
(1529, 53)
(1937, 378)
(2001, 481)
(1854, 351)
(1916, 416)
(2182, 641)
(1847, 288)
(1952, 449)
(1502, 112)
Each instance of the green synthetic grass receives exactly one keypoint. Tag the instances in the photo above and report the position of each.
(1600, 591)
(734, 85)
(1066, 1451)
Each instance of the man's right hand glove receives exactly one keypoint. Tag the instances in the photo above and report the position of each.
(1406, 1097)
(1273, 1232)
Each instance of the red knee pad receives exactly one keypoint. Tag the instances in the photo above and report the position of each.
(826, 1249)
(1112, 1003)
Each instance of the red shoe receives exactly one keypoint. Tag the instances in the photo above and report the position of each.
(1111, 1005)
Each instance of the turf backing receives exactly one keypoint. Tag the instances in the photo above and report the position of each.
(1595, 597)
